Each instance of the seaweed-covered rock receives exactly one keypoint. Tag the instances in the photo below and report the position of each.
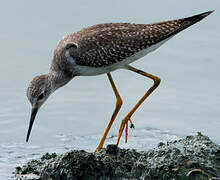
(195, 157)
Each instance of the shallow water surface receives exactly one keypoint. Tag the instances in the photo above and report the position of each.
(74, 117)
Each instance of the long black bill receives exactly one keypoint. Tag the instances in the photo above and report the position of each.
(33, 115)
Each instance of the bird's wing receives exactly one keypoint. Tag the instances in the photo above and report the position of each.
(106, 44)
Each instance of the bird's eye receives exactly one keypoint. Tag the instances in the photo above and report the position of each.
(41, 96)
(71, 45)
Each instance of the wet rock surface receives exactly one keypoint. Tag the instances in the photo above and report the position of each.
(195, 157)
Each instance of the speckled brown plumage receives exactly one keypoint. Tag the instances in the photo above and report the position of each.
(102, 49)
(105, 44)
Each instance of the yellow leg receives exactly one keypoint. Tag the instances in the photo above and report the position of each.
(117, 108)
(126, 132)
(128, 116)
(126, 129)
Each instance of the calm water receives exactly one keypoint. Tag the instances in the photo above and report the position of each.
(187, 100)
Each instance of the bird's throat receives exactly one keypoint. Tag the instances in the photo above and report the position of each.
(58, 79)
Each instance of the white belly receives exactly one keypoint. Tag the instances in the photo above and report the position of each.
(93, 71)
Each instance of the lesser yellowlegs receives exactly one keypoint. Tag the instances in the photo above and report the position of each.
(102, 49)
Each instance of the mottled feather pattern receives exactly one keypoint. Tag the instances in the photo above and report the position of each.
(105, 44)
(102, 49)
(34, 91)
(109, 43)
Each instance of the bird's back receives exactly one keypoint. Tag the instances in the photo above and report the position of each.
(106, 44)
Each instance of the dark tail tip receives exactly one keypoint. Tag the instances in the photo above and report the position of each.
(198, 17)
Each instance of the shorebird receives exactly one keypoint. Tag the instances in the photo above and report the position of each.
(101, 49)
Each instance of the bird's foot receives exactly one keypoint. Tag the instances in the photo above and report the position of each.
(99, 147)
(132, 126)
(126, 129)
(124, 124)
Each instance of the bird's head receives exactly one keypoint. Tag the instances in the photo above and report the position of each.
(38, 91)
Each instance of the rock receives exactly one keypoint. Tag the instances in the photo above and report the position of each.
(112, 149)
(195, 157)
(27, 176)
(192, 164)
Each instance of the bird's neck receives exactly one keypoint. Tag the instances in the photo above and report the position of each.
(58, 79)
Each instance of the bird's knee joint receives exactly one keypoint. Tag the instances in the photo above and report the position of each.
(157, 81)
(119, 102)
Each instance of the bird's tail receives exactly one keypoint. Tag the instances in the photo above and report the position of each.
(186, 22)
(167, 29)
(194, 19)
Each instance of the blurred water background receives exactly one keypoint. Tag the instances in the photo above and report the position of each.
(187, 100)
